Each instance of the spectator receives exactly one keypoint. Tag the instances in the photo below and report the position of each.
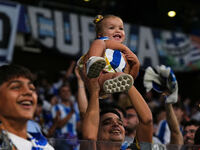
(42, 121)
(18, 100)
(109, 126)
(197, 137)
(67, 116)
(103, 104)
(81, 94)
(159, 114)
(163, 81)
(35, 125)
(195, 112)
(61, 78)
(173, 122)
(163, 130)
(132, 122)
(189, 131)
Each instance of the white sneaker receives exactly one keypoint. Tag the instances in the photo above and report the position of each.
(94, 66)
(120, 83)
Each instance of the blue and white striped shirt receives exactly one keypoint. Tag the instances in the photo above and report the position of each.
(114, 59)
(70, 128)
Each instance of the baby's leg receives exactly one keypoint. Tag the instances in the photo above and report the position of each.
(94, 66)
(115, 82)
(97, 48)
(96, 61)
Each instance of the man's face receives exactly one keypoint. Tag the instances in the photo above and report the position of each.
(111, 128)
(65, 93)
(189, 133)
(131, 120)
(18, 99)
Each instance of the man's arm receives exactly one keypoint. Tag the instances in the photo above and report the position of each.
(91, 118)
(144, 131)
(69, 71)
(170, 96)
(90, 124)
(176, 135)
(81, 95)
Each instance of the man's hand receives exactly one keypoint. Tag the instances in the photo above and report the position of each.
(162, 80)
(171, 83)
(77, 73)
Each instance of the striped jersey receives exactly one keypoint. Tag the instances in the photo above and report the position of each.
(114, 59)
(70, 128)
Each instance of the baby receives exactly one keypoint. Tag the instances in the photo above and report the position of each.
(115, 64)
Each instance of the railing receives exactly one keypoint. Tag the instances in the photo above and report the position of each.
(73, 144)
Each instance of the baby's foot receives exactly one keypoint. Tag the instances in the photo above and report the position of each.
(94, 66)
(120, 83)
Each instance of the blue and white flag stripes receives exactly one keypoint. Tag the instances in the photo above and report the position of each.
(8, 26)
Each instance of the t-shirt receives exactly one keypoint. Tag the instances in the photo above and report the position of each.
(69, 129)
(114, 59)
(33, 127)
(163, 132)
(36, 142)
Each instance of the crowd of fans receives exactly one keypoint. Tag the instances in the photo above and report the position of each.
(80, 104)
(92, 102)
(68, 112)
(59, 116)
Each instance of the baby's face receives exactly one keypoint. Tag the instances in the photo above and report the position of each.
(113, 28)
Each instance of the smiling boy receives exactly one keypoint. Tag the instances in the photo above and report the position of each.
(18, 100)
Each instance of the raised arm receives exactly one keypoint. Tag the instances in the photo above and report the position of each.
(170, 95)
(81, 95)
(176, 135)
(91, 118)
(144, 131)
(69, 71)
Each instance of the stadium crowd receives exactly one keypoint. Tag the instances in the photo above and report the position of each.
(59, 114)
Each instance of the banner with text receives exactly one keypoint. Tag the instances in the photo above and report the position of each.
(71, 34)
(8, 26)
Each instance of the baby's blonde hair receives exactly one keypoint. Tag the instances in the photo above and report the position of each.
(98, 22)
